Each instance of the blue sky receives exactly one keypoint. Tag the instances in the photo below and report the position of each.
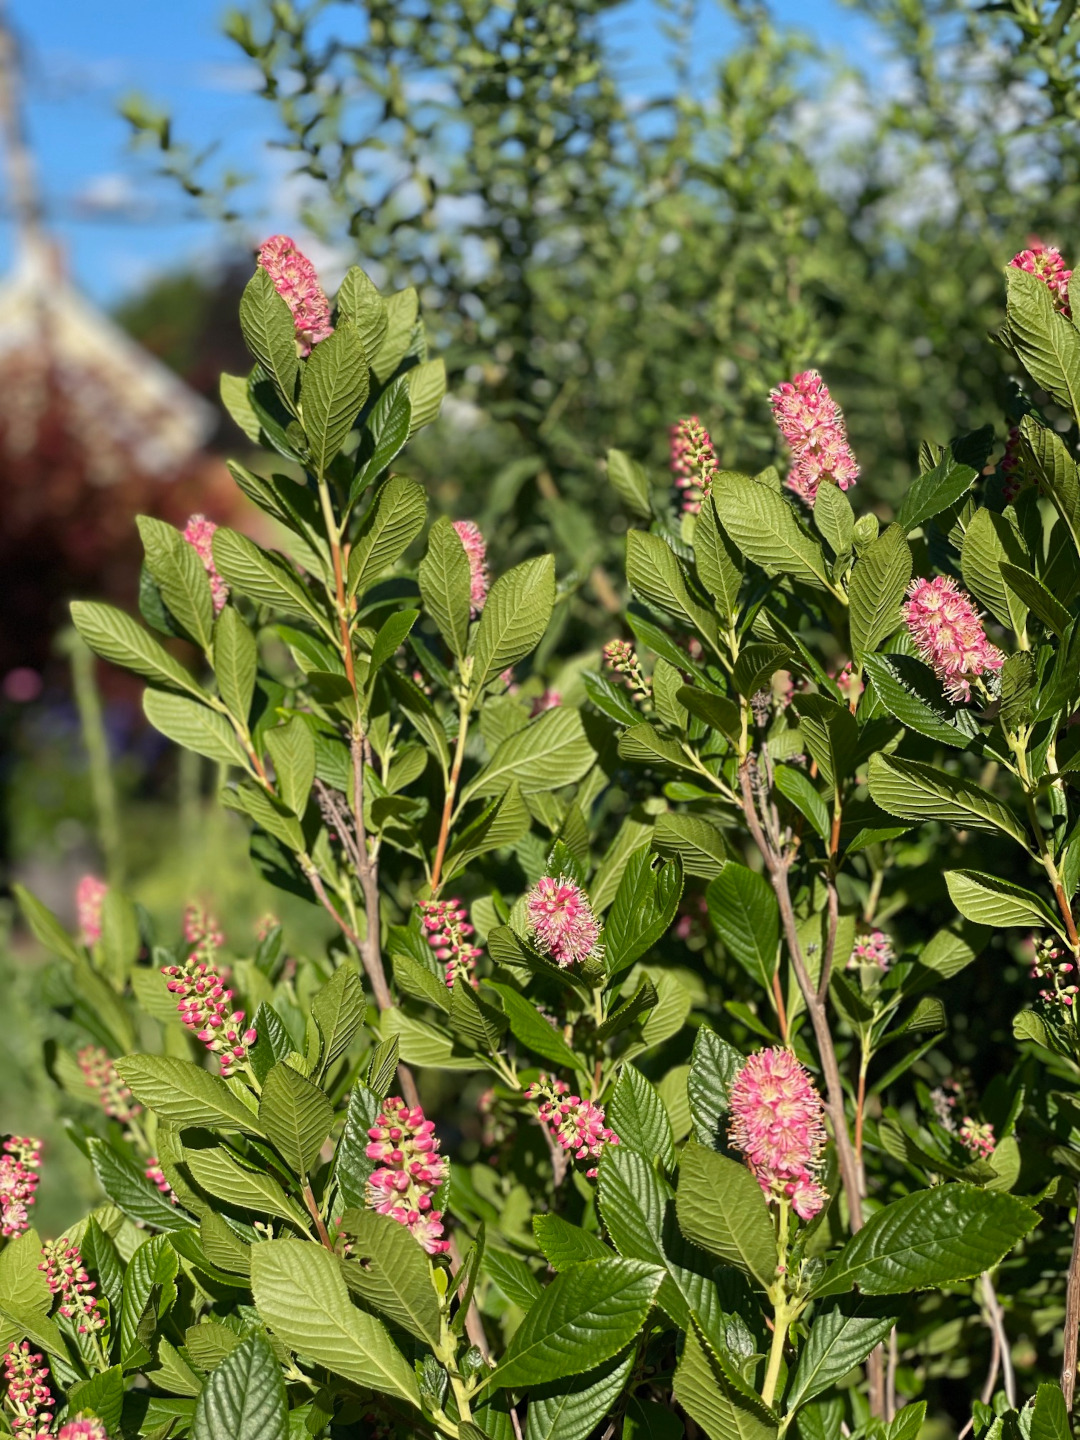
(119, 225)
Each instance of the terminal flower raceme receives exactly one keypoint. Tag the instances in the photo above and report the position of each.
(812, 423)
(19, 1166)
(89, 898)
(64, 1270)
(561, 920)
(83, 1427)
(409, 1172)
(298, 285)
(446, 923)
(1046, 262)
(100, 1075)
(576, 1125)
(468, 532)
(204, 1002)
(156, 1175)
(27, 1397)
(948, 634)
(693, 462)
(778, 1122)
(199, 534)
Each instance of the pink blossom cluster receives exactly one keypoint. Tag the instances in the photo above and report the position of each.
(777, 1121)
(63, 1265)
(19, 1166)
(199, 534)
(156, 1175)
(561, 920)
(850, 684)
(99, 1072)
(693, 917)
(298, 285)
(204, 1003)
(1012, 467)
(1048, 965)
(448, 932)
(1047, 263)
(693, 462)
(620, 656)
(945, 1098)
(83, 1427)
(89, 899)
(576, 1125)
(410, 1171)
(977, 1137)
(468, 532)
(872, 948)
(948, 634)
(28, 1399)
(546, 700)
(812, 423)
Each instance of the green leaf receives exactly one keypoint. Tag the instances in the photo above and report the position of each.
(935, 491)
(654, 573)
(333, 388)
(351, 1164)
(23, 1285)
(1034, 594)
(630, 482)
(714, 1065)
(744, 912)
(764, 528)
(720, 1207)
(584, 1317)
(834, 518)
(1049, 1416)
(130, 1191)
(445, 585)
(116, 637)
(990, 540)
(386, 430)
(45, 927)
(836, 1344)
(718, 562)
(264, 577)
(270, 334)
(338, 1009)
(401, 312)
(876, 589)
(638, 1116)
(644, 744)
(292, 749)
(910, 691)
(513, 1277)
(244, 1398)
(796, 786)
(1056, 468)
(532, 1030)
(235, 662)
(504, 822)
(514, 618)
(564, 1245)
(193, 726)
(1047, 345)
(253, 801)
(831, 734)
(571, 1409)
(391, 523)
(757, 664)
(101, 1396)
(914, 791)
(184, 1094)
(988, 900)
(152, 1268)
(644, 906)
(181, 578)
(391, 636)
(389, 1270)
(723, 1408)
(551, 751)
(233, 390)
(120, 942)
(932, 1238)
(222, 1247)
(300, 1294)
(295, 1116)
(359, 301)
(426, 384)
(694, 840)
(221, 1175)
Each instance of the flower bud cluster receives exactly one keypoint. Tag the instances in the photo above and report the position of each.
(468, 532)
(83, 1427)
(100, 1075)
(576, 1125)
(27, 1397)
(977, 1137)
(873, 948)
(1048, 965)
(778, 1122)
(298, 285)
(19, 1166)
(67, 1277)
(199, 534)
(156, 1175)
(410, 1172)
(204, 1003)
(620, 656)
(448, 932)
(89, 899)
(812, 423)
(561, 920)
(1047, 263)
(693, 462)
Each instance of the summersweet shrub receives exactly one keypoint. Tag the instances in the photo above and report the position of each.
(290, 1245)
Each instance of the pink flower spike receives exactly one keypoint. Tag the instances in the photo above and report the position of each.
(468, 533)
(100, 1075)
(298, 285)
(562, 921)
(693, 462)
(66, 1275)
(777, 1121)
(448, 930)
(576, 1125)
(409, 1173)
(19, 1166)
(27, 1398)
(812, 423)
(89, 898)
(948, 635)
(977, 1138)
(199, 534)
(83, 1427)
(1046, 262)
(874, 948)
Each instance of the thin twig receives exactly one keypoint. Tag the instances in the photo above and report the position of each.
(368, 875)
(996, 1317)
(1072, 1315)
(890, 1377)
(313, 1211)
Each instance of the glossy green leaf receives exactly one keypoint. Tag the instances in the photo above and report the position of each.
(193, 726)
(721, 1208)
(837, 1342)
(295, 1116)
(390, 1271)
(184, 1093)
(764, 528)
(244, 1398)
(445, 585)
(514, 618)
(637, 1115)
(915, 791)
(876, 589)
(744, 913)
